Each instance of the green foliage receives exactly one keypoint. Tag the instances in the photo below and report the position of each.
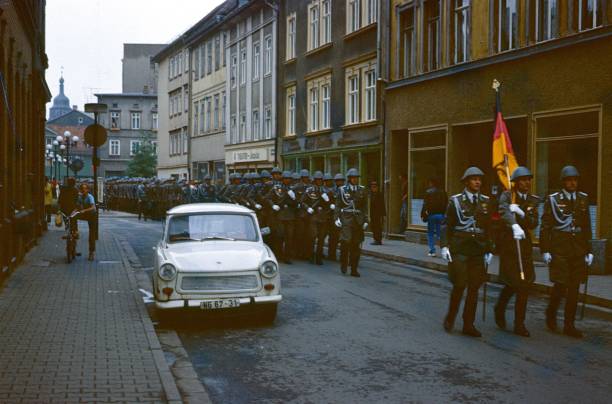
(144, 162)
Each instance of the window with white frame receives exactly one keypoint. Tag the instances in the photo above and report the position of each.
(179, 64)
(223, 47)
(587, 14)
(255, 124)
(154, 121)
(353, 99)
(202, 60)
(242, 128)
(313, 112)
(196, 63)
(268, 122)
(290, 128)
(243, 65)
(136, 120)
(319, 103)
(196, 118)
(506, 17)
(325, 106)
(202, 115)
(353, 17)
(186, 63)
(233, 139)
(326, 21)
(460, 31)
(544, 16)
(186, 98)
(431, 35)
(408, 46)
(185, 140)
(256, 60)
(291, 28)
(134, 147)
(370, 95)
(209, 57)
(208, 113)
(371, 11)
(217, 52)
(115, 121)
(216, 113)
(223, 110)
(233, 71)
(268, 55)
(313, 25)
(114, 147)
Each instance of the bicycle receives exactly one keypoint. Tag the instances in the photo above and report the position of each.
(71, 237)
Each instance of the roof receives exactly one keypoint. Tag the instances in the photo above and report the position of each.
(208, 208)
(72, 119)
(150, 95)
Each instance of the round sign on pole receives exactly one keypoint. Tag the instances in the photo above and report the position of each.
(95, 135)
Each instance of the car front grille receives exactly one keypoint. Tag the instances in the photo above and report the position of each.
(220, 283)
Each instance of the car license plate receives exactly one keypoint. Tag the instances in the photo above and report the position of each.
(219, 304)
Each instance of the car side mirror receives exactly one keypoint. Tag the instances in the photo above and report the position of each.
(265, 231)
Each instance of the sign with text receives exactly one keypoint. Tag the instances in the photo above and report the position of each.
(247, 155)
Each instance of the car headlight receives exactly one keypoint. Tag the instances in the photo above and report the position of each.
(167, 272)
(269, 269)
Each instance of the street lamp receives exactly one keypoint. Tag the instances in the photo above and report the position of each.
(67, 141)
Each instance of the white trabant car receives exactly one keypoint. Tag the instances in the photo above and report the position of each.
(212, 257)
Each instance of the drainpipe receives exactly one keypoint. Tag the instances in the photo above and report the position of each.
(274, 5)
(383, 78)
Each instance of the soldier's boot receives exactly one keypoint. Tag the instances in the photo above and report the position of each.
(453, 308)
(500, 307)
(469, 312)
(343, 256)
(571, 305)
(553, 305)
(520, 308)
(355, 254)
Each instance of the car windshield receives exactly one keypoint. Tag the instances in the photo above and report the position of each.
(211, 226)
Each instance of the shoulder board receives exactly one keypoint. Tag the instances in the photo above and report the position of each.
(486, 198)
(557, 195)
(582, 194)
(457, 195)
(535, 198)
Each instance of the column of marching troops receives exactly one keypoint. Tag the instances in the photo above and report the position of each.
(302, 212)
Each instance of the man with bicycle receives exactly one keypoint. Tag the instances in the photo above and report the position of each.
(87, 212)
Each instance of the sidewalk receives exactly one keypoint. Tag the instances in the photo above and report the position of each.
(78, 332)
(600, 286)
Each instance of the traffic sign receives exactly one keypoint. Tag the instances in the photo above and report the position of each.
(95, 135)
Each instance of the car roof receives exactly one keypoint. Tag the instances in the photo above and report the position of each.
(208, 208)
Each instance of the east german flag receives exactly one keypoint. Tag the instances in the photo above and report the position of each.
(504, 161)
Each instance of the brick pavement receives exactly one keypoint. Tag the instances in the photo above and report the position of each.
(78, 332)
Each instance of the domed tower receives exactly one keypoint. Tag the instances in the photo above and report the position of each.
(61, 103)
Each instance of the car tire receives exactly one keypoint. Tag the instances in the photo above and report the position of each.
(267, 314)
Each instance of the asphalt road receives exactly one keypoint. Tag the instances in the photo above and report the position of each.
(379, 338)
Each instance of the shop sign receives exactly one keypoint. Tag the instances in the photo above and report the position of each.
(245, 156)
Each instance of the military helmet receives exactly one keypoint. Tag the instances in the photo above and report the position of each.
(248, 176)
(353, 172)
(318, 175)
(472, 172)
(237, 176)
(569, 171)
(339, 177)
(265, 174)
(520, 172)
(304, 173)
(255, 176)
(276, 170)
(232, 176)
(295, 176)
(287, 174)
(327, 177)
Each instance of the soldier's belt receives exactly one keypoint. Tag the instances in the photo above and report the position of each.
(470, 232)
(350, 210)
(574, 230)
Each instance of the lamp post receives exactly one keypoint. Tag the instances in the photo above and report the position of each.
(66, 142)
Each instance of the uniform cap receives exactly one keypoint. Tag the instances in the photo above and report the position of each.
(327, 177)
(295, 176)
(353, 172)
(472, 172)
(304, 173)
(287, 174)
(237, 176)
(265, 174)
(255, 176)
(569, 171)
(318, 175)
(520, 172)
(339, 176)
(276, 170)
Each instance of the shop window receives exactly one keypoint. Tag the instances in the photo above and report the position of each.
(303, 164)
(334, 165)
(571, 138)
(427, 160)
(290, 164)
(351, 160)
(317, 164)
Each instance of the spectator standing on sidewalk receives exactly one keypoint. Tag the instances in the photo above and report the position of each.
(432, 212)
(48, 199)
(377, 212)
(404, 209)
(87, 212)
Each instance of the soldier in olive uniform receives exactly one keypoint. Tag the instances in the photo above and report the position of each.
(318, 205)
(282, 203)
(565, 244)
(468, 237)
(519, 213)
(334, 231)
(352, 218)
(207, 193)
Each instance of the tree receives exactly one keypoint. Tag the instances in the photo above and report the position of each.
(144, 162)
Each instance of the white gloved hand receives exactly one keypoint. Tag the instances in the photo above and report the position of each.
(365, 226)
(257, 206)
(588, 259)
(547, 257)
(338, 223)
(325, 197)
(332, 206)
(514, 208)
(310, 211)
(517, 232)
(276, 207)
(446, 255)
(487, 258)
(291, 194)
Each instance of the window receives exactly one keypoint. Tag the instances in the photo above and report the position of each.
(80, 120)
(135, 120)
(196, 117)
(209, 57)
(313, 113)
(185, 140)
(196, 64)
(179, 65)
(223, 46)
(268, 122)
(268, 56)
(202, 60)
(255, 124)
(216, 113)
(256, 60)
(326, 16)
(115, 123)
(506, 24)
(371, 11)
(353, 16)
(545, 19)
(208, 113)
(313, 26)
(186, 58)
(233, 129)
(114, 147)
(326, 107)
(291, 22)
(460, 32)
(186, 98)
(408, 41)
(290, 111)
(587, 14)
(431, 37)
(242, 133)
(134, 147)
(154, 121)
(243, 64)
(234, 71)
(154, 146)
(217, 52)
(224, 104)
(370, 95)
(202, 116)
(353, 99)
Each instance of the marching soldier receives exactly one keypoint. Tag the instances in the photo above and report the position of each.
(564, 242)
(468, 237)
(317, 204)
(282, 202)
(519, 213)
(352, 219)
(334, 231)
(207, 191)
(302, 224)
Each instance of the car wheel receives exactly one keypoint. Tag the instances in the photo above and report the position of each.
(267, 314)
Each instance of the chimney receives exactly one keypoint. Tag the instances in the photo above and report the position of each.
(75, 107)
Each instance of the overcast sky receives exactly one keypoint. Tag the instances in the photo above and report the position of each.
(86, 37)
